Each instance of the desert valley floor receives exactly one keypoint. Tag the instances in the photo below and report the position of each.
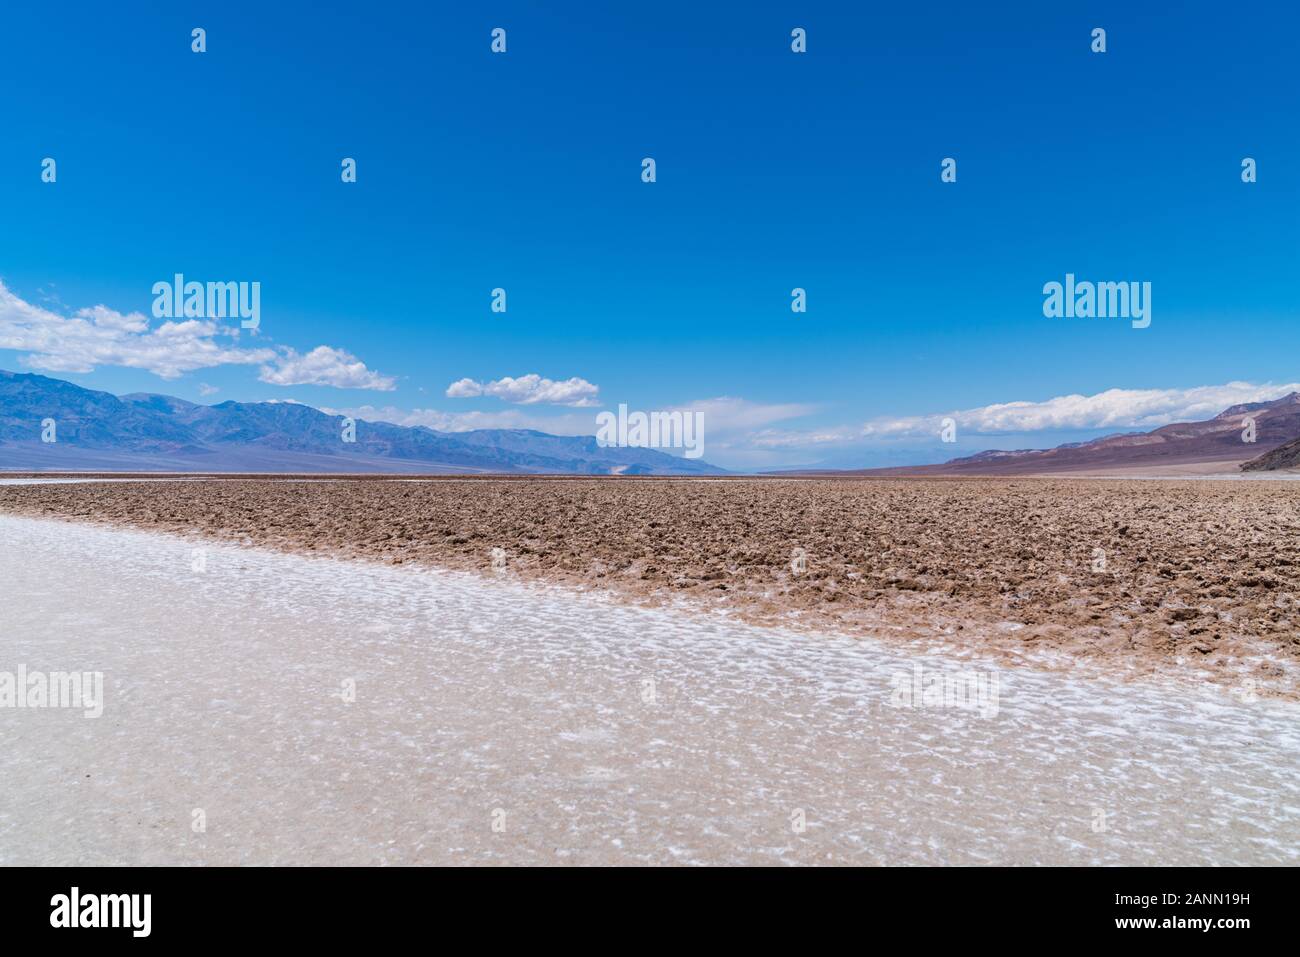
(598, 671)
(1200, 578)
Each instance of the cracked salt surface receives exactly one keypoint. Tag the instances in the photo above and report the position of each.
(479, 696)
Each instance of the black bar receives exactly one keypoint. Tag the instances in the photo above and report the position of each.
(332, 907)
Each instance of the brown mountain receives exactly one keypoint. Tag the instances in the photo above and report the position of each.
(1283, 457)
(1216, 440)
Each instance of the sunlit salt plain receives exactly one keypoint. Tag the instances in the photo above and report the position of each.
(500, 723)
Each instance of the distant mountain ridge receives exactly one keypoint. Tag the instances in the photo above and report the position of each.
(1218, 439)
(150, 432)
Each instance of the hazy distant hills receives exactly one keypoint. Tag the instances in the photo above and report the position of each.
(1215, 440)
(147, 432)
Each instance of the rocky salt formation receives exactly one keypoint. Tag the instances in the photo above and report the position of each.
(1196, 578)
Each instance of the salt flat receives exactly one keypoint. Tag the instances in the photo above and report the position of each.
(498, 722)
(1192, 579)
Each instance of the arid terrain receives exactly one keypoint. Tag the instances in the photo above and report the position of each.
(321, 711)
(1198, 578)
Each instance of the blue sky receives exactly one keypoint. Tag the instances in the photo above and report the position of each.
(775, 170)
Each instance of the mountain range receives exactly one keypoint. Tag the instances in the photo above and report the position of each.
(149, 432)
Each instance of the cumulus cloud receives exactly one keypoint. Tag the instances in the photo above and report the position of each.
(100, 336)
(324, 366)
(529, 390)
(1119, 409)
(464, 389)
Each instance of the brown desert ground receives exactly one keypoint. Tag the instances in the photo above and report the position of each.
(1188, 578)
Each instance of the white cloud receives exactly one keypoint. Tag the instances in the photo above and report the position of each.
(1137, 409)
(205, 389)
(100, 336)
(464, 389)
(529, 390)
(324, 366)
